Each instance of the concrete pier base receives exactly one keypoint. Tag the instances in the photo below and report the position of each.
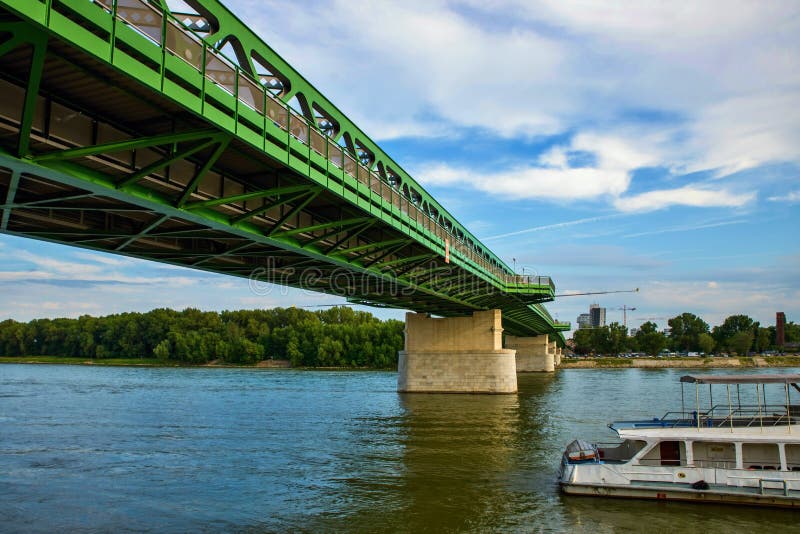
(456, 355)
(534, 354)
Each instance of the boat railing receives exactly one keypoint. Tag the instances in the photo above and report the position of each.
(721, 416)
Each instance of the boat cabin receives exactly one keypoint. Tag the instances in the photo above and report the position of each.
(706, 453)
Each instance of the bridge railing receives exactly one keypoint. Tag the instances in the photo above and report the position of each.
(164, 30)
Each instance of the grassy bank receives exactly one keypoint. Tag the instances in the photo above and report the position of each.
(681, 362)
(133, 362)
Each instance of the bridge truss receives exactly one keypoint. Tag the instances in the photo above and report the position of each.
(126, 128)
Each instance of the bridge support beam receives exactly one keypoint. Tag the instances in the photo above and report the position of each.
(534, 354)
(456, 355)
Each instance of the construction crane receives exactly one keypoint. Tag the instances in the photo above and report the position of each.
(625, 310)
(598, 293)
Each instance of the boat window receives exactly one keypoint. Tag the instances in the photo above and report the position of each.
(714, 454)
(665, 453)
(622, 452)
(792, 456)
(764, 455)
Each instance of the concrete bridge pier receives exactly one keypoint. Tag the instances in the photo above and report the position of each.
(456, 355)
(534, 354)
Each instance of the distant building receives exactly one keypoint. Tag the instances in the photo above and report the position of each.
(584, 321)
(780, 322)
(633, 332)
(597, 315)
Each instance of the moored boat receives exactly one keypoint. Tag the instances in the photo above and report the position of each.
(729, 453)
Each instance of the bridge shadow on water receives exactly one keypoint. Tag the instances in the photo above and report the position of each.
(464, 462)
(487, 463)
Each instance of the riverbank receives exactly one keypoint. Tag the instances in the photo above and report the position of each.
(681, 362)
(567, 363)
(140, 362)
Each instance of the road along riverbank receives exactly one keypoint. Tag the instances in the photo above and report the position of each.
(679, 362)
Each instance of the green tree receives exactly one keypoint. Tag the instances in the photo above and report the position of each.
(584, 343)
(685, 330)
(337, 336)
(740, 342)
(649, 340)
(162, 350)
(734, 324)
(763, 339)
(617, 338)
(705, 343)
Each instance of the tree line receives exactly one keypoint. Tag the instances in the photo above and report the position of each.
(687, 333)
(333, 337)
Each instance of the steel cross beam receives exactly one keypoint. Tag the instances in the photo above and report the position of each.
(131, 144)
(274, 192)
(176, 155)
(212, 112)
(339, 225)
(12, 191)
(311, 195)
(152, 226)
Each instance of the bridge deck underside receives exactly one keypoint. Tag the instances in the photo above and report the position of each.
(111, 165)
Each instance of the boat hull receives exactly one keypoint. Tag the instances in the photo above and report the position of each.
(745, 496)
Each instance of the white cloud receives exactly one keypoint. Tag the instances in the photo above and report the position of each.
(552, 177)
(745, 132)
(553, 226)
(59, 267)
(715, 302)
(390, 65)
(791, 197)
(52, 269)
(686, 228)
(725, 73)
(106, 259)
(615, 156)
(14, 276)
(683, 196)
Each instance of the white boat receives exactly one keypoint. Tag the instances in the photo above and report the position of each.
(732, 453)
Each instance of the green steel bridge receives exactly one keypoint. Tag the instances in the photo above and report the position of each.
(183, 138)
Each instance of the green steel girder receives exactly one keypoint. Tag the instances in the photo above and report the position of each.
(273, 192)
(23, 35)
(105, 21)
(229, 29)
(351, 235)
(372, 247)
(7, 207)
(152, 226)
(350, 189)
(34, 203)
(311, 195)
(279, 201)
(128, 144)
(176, 155)
(87, 179)
(387, 253)
(338, 225)
(409, 259)
(360, 227)
(191, 187)
(231, 251)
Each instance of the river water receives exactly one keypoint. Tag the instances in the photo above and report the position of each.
(141, 449)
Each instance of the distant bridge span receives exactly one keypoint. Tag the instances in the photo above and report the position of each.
(183, 138)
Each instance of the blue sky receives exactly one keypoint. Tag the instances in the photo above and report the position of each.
(610, 146)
